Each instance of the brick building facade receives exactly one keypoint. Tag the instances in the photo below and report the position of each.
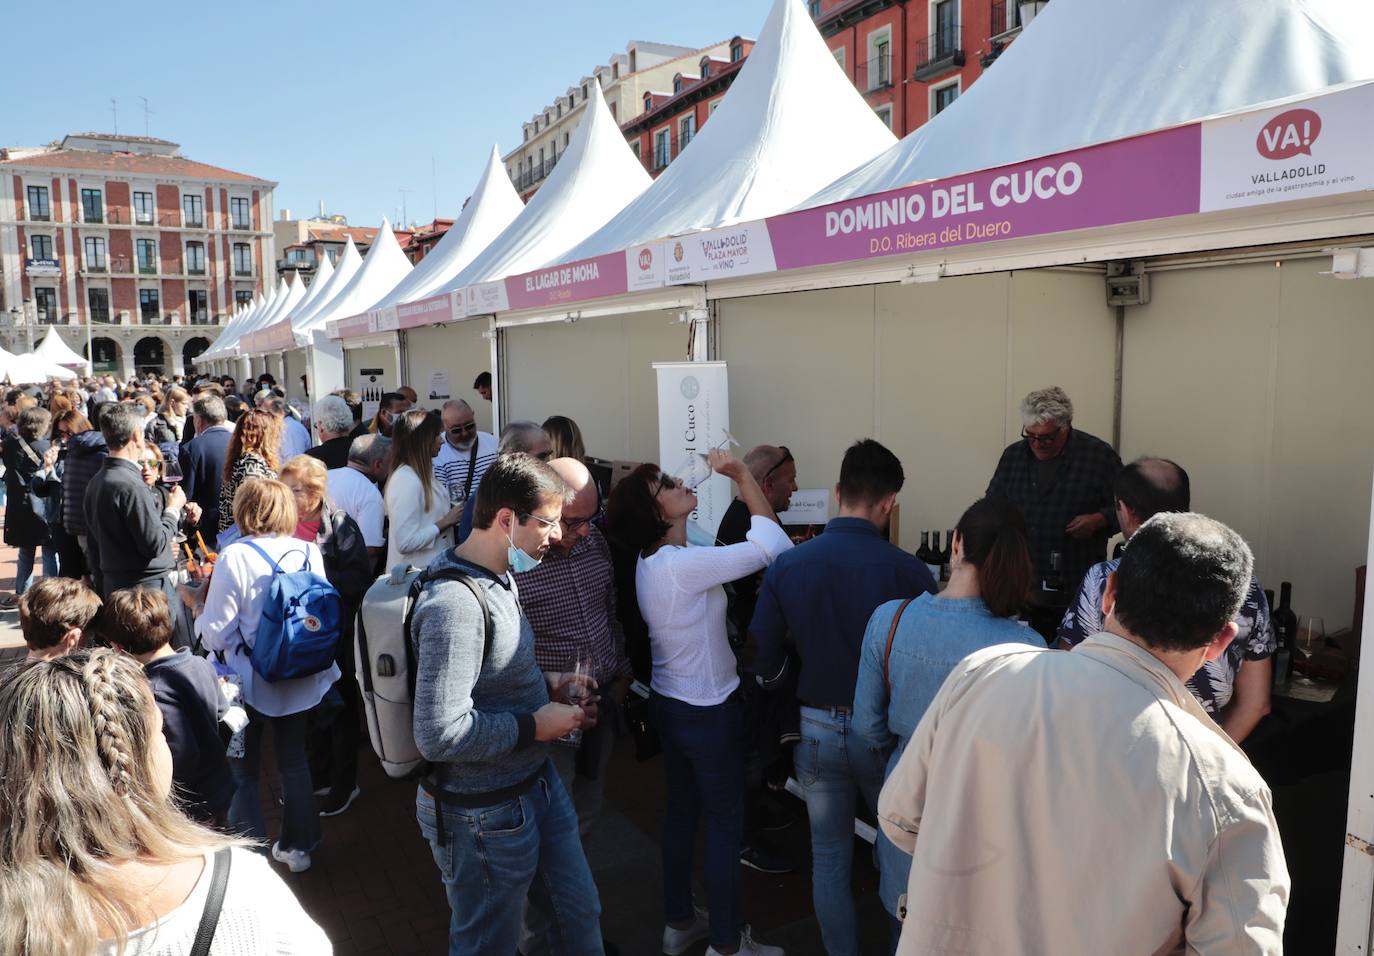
(104, 235)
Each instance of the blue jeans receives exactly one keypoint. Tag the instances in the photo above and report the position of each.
(704, 765)
(492, 857)
(300, 821)
(832, 763)
(23, 571)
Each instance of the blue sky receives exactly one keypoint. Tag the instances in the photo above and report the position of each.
(345, 102)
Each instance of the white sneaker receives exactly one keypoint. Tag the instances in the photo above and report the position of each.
(748, 946)
(297, 861)
(678, 941)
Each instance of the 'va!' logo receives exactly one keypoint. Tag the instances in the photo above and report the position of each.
(1289, 134)
(646, 259)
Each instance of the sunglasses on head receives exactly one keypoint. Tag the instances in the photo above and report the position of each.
(786, 457)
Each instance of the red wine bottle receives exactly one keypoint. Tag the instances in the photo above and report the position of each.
(1285, 631)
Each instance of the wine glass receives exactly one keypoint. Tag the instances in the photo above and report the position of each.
(1310, 637)
(578, 667)
(696, 468)
(171, 471)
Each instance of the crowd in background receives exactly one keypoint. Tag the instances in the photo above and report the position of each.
(163, 509)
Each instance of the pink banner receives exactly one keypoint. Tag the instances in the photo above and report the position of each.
(432, 311)
(352, 326)
(278, 336)
(584, 279)
(1148, 177)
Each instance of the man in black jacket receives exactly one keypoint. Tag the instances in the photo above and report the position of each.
(131, 532)
(202, 461)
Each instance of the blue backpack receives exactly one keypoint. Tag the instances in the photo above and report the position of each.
(300, 626)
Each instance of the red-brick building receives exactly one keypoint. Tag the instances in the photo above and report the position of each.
(109, 230)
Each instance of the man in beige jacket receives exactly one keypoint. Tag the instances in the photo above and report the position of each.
(1085, 803)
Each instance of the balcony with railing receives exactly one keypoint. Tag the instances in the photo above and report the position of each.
(242, 272)
(121, 266)
(874, 75)
(147, 268)
(536, 173)
(93, 264)
(193, 222)
(941, 52)
(199, 317)
(94, 216)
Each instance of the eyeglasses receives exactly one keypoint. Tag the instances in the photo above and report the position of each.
(463, 429)
(1042, 439)
(577, 524)
(786, 457)
(546, 522)
(666, 482)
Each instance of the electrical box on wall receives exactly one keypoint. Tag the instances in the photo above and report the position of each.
(1127, 284)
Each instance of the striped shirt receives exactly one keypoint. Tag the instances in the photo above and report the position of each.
(451, 465)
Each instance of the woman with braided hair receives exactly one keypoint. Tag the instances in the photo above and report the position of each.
(95, 858)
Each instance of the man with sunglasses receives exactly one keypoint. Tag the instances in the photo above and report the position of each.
(1062, 479)
(465, 455)
(569, 600)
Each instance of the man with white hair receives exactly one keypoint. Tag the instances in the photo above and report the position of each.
(1061, 479)
(354, 488)
(294, 438)
(334, 422)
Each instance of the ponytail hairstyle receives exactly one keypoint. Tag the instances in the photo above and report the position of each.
(994, 536)
(79, 795)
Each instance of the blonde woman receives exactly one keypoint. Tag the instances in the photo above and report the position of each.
(265, 512)
(94, 857)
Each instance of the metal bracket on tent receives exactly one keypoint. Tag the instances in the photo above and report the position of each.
(1127, 283)
(572, 317)
(917, 274)
(1355, 843)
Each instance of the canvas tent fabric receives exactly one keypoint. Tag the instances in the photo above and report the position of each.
(595, 178)
(791, 123)
(494, 204)
(224, 345)
(344, 270)
(384, 266)
(32, 369)
(53, 349)
(323, 273)
(1091, 71)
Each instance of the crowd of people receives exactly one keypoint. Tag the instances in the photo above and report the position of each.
(1042, 707)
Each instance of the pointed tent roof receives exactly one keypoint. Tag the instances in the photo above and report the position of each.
(53, 349)
(293, 292)
(347, 266)
(384, 267)
(494, 204)
(595, 178)
(235, 329)
(1066, 82)
(791, 122)
(32, 369)
(323, 273)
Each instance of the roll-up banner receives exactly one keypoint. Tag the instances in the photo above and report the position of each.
(694, 417)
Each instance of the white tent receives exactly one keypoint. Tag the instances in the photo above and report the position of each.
(290, 295)
(1070, 80)
(53, 349)
(791, 123)
(323, 273)
(595, 178)
(224, 345)
(492, 207)
(32, 369)
(344, 270)
(384, 266)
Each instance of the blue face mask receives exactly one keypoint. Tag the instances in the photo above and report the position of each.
(519, 561)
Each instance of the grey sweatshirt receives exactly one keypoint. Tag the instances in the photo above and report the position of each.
(474, 718)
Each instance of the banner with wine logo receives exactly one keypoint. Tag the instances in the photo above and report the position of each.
(693, 418)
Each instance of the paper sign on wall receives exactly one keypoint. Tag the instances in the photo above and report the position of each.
(693, 417)
(807, 506)
(438, 385)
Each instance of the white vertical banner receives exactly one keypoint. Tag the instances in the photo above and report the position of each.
(694, 417)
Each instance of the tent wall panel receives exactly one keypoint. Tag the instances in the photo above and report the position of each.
(1254, 378)
(599, 373)
(294, 366)
(461, 350)
(376, 356)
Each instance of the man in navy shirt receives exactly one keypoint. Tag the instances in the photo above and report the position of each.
(202, 461)
(817, 599)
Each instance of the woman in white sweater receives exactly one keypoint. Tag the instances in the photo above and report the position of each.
(92, 851)
(265, 512)
(694, 704)
(417, 505)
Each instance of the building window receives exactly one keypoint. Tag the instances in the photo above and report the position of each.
(95, 254)
(38, 203)
(243, 298)
(648, 102)
(946, 20)
(712, 107)
(146, 251)
(565, 141)
(880, 64)
(677, 84)
(661, 148)
(198, 307)
(143, 207)
(243, 259)
(686, 129)
(148, 306)
(634, 148)
(814, 7)
(195, 258)
(942, 96)
(92, 208)
(705, 69)
(885, 114)
(584, 92)
(839, 56)
(238, 212)
(736, 52)
(40, 247)
(192, 210)
(45, 302)
(613, 107)
(99, 302)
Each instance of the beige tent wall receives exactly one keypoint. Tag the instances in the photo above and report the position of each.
(290, 381)
(376, 356)
(1255, 378)
(935, 371)
(460, 349)
(598, 372)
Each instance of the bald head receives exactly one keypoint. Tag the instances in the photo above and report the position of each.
(460, 427)
(776, 472)
(1147, 487)
(584, 505)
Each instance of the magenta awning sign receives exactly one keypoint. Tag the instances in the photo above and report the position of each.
(1148, 177)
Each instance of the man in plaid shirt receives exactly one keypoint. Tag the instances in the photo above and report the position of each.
(1061, 479)
(569, 601)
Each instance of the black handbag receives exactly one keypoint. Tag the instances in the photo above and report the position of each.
(640, 722)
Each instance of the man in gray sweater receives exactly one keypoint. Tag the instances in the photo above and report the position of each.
(494, 811)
